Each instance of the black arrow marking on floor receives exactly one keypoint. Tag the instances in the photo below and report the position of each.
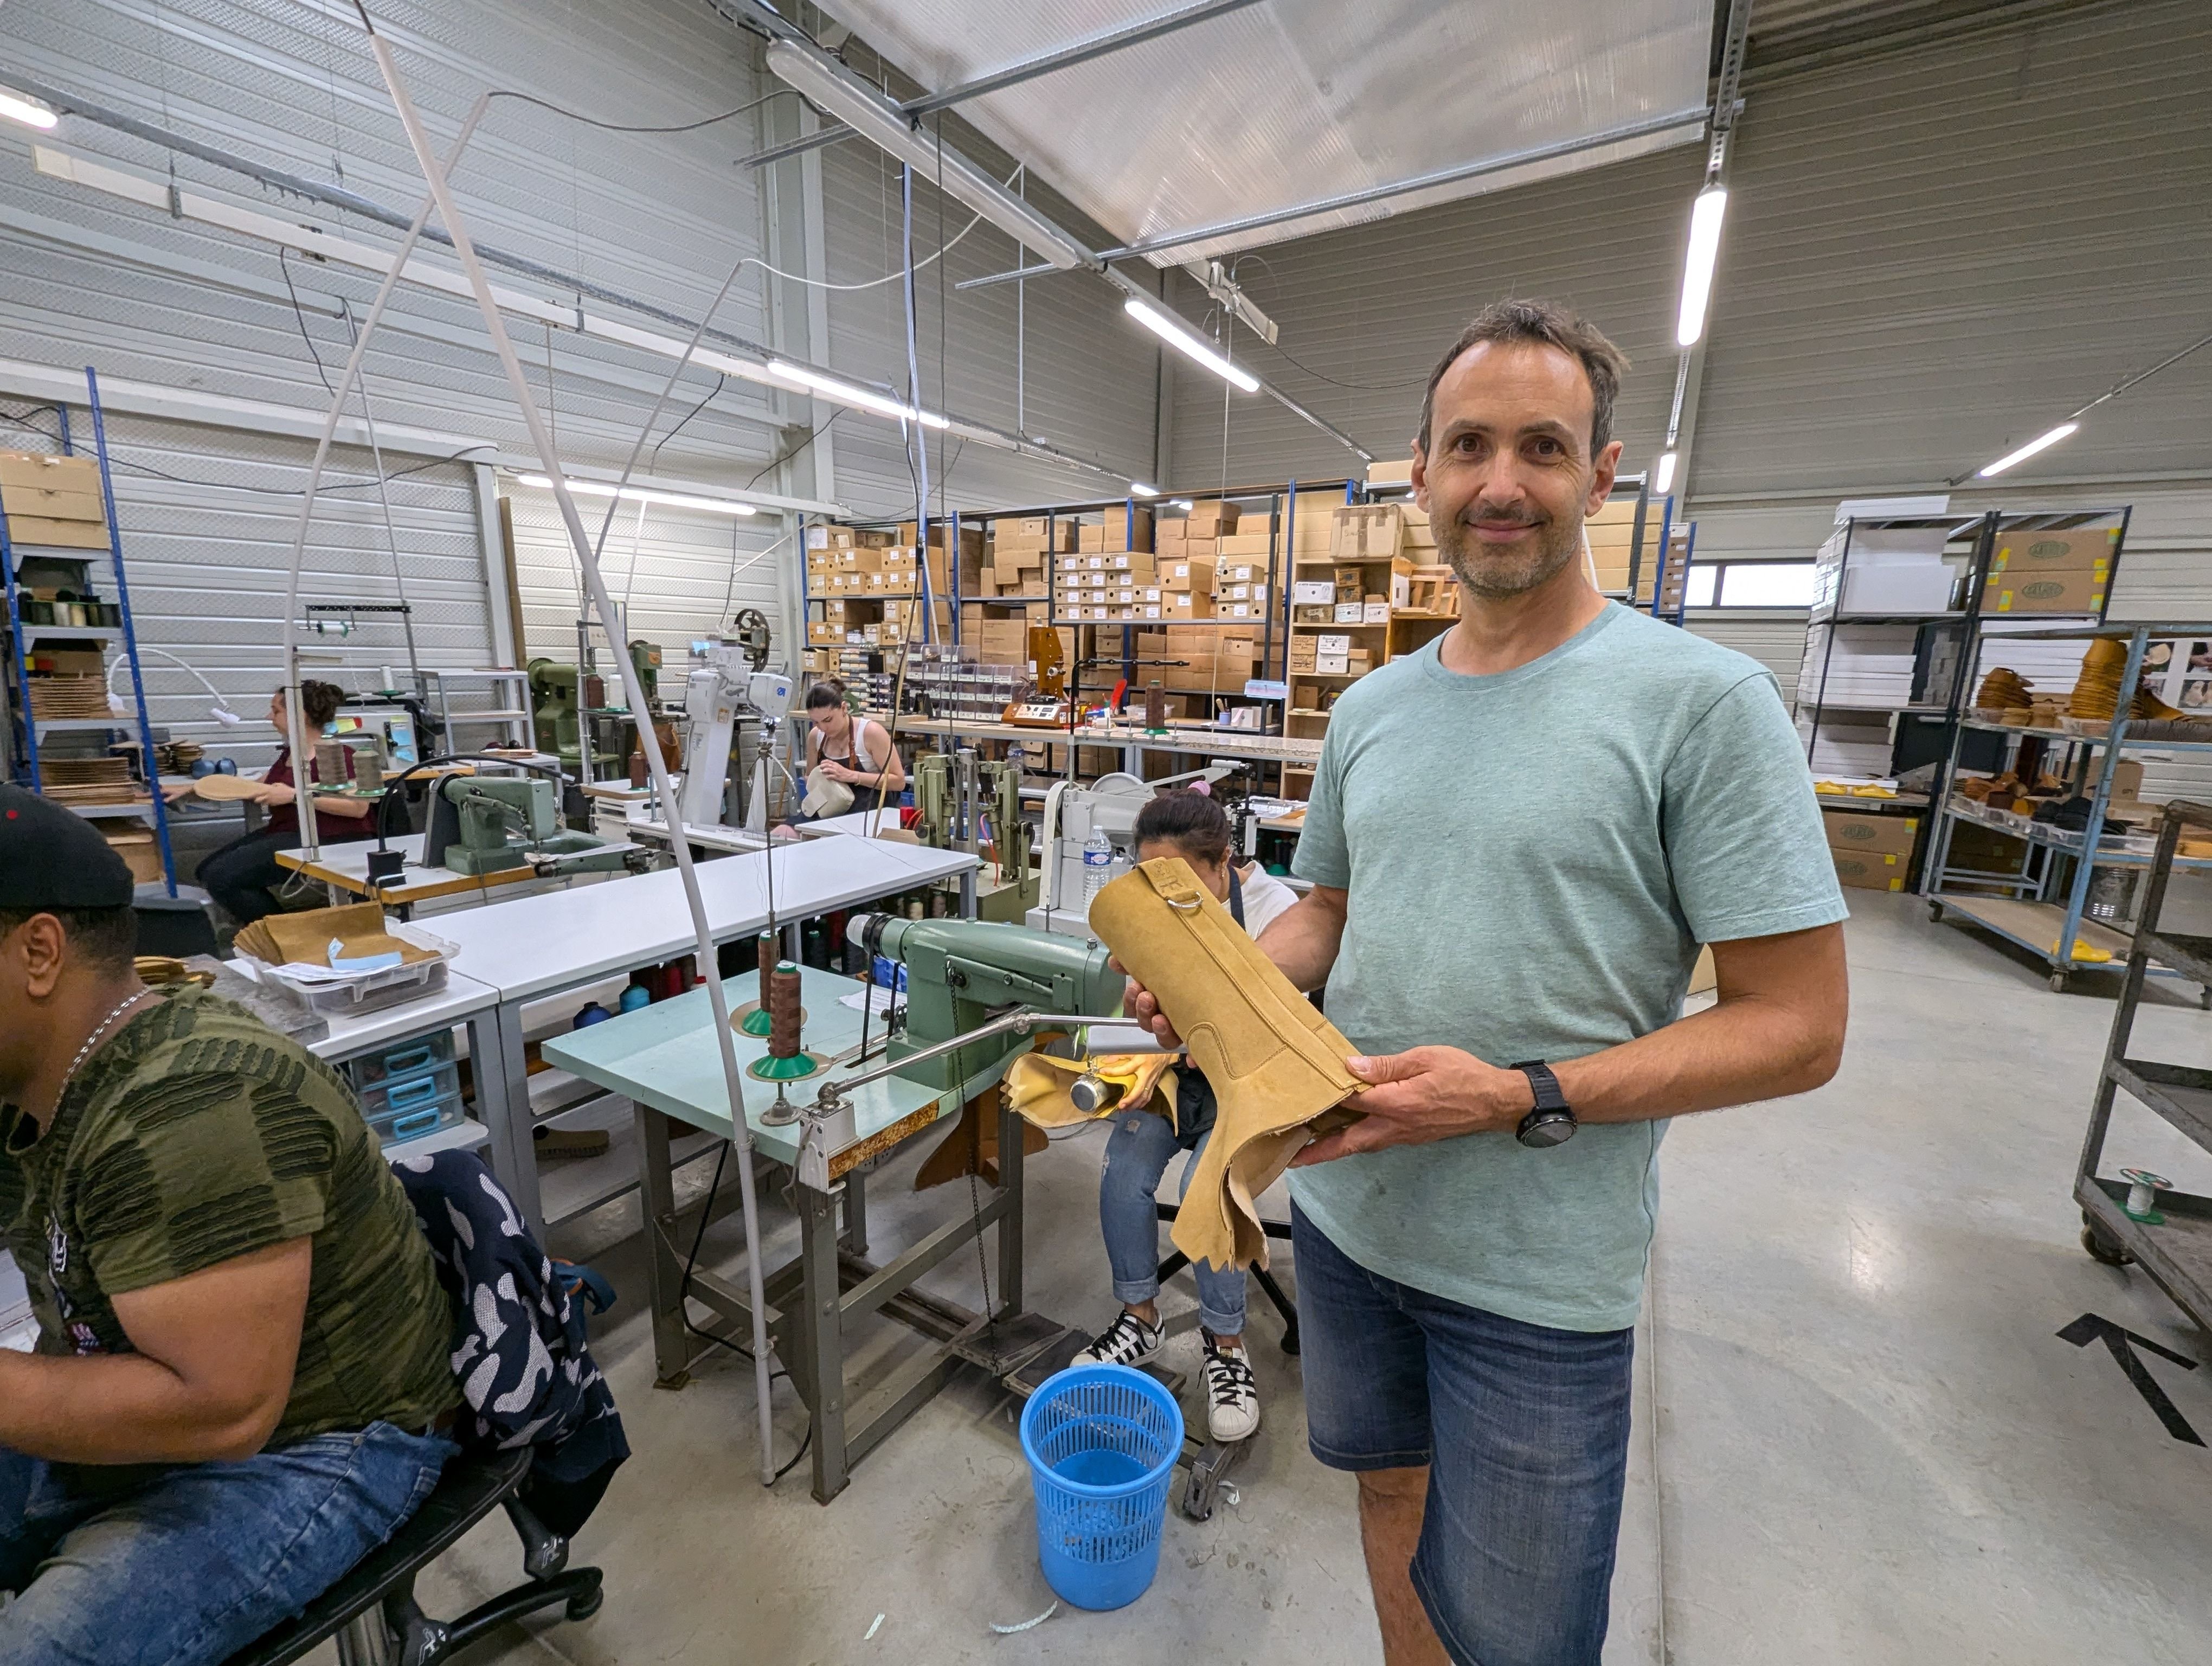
(2092, 1327)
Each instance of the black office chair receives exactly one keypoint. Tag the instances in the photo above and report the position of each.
(1279, 1230)
(372, 1612)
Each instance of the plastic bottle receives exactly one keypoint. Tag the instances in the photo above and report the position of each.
(1097, 864)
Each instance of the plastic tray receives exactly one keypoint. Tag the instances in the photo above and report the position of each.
(405, 1059)
(397, 1128)
(410, 1092)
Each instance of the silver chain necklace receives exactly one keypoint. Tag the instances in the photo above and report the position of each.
(93, 1041)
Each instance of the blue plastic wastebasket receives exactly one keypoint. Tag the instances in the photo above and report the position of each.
(1102, 1442)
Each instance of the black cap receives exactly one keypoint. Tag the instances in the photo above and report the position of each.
(52, 858)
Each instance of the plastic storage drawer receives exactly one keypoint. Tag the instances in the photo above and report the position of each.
(406, 1059)
(402, 1108)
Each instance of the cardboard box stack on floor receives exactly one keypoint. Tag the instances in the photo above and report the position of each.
(53, 501)
(1871, 853)
(2064, 571)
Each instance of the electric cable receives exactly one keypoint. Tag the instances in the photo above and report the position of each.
(721, 380)
(147, 469)
(623, 127)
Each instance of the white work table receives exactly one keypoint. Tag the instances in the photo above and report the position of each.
(530, 947)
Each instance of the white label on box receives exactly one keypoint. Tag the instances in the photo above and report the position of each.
(1310, 591)
(1376, 613)
(1331, 664)
(1351, 613)
(1331, 642)
(1097, 562)
(1151, 611)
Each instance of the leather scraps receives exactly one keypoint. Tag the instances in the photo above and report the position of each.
(1276, 1064)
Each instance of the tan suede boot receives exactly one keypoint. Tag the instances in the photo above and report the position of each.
(1276, 1064)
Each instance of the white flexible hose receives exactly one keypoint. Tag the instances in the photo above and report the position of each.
(649, 742)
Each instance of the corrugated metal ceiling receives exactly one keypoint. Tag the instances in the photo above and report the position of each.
(1294, 101)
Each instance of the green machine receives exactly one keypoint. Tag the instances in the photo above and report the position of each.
(963, 975)
(488, 823)
(955, 795)
(559, 695)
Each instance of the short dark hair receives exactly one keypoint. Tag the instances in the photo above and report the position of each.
(825, 694)
(1192, 822)
(318, 701)
(1541, 324)
(106, 937)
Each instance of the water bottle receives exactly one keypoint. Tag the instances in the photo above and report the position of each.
(1097, 864)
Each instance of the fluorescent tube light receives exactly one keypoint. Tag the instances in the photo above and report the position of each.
(1663, 476)
(846, 394)
(1139, 488)
(635, 495)
(1184, 504)
(16, 107)
(877, 118)
(2045, 443)
(1705, 215)
(1179, 337)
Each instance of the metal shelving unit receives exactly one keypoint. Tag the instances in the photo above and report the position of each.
(2172, 1240)
(2046, 911)
(26, 730)
(509, 692)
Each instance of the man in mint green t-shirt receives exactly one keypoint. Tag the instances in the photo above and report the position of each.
(1518, 837)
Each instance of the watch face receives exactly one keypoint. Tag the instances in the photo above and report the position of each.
(1545, 1128)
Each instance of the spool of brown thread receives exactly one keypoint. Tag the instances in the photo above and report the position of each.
(1155, 705)
(637, 769)
(783, 1013)
(764, 948)
(331, 762)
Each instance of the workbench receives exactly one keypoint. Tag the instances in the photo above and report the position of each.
(530, 948)
(1132, 740)
(346, 868)
(667, 1060)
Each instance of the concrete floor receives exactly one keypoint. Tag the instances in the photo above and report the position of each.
(1857, 1437)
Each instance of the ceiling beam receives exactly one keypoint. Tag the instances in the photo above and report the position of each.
(1060, 57)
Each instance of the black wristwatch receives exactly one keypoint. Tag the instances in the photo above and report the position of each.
(1552, 1122)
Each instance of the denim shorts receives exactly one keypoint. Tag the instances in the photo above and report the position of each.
(1524, 1432)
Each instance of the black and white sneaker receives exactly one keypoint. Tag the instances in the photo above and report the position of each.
(1232, 1395)
(1127, 1341)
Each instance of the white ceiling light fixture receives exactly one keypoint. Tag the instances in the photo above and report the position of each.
(870, 114)
(1663, 475)
(2043, 442)
(1139, 488)
(635, 495)
(848, 393)
(1183, 503)
(1185, 340)
(1706, 214)
(16, 107)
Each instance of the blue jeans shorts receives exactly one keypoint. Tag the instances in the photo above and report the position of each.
(200, 1559)
(1524, 1432)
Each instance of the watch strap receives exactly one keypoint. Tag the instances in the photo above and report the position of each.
(1544, 1084)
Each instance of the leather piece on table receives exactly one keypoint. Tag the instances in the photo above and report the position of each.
(1276, 1064)
(1037, 1085)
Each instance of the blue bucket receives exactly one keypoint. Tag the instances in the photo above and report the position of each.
(1102, 1442)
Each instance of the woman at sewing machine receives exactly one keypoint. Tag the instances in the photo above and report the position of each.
(1191, 825)
(243, 875)
(852, 752)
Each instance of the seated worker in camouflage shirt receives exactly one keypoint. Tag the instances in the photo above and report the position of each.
(241, 1378)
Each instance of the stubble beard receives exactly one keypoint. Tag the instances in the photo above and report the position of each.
(1501, 574)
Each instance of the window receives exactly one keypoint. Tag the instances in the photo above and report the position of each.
(1751, 584)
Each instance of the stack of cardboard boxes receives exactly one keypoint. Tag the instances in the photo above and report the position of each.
(1210, 660)
(2050, 572)
(1871, 853)
(1611, 532)
(53, 501)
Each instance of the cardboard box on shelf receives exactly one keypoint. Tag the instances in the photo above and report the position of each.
(1211, 518)
(1090, 537)
(57, 534)
(47, 503)
(2077, 591)
(1302, 654)
(1350, 613)
(1374, 612)
(1187, 605)
(1133, 561)
(1398, 472)
(1368, 531)
(1308, 592)
(1351, 584)
(1332, 641)
(1196, 573)
(1247, 546)
(1126, 531)
(1869, 870)
(1880, 836)
(2078, 550)
(1331, 664)
(38, 471)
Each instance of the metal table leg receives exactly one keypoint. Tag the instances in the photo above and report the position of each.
(968, 895)
(664, 1269)
(1011, 1129)
(503, 1085)
(856, 1212)
(822, 1337)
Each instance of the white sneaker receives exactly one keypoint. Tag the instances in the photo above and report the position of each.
(1232, 1395)
(1127, 1341)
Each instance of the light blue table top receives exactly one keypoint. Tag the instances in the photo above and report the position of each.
(665, 1056)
